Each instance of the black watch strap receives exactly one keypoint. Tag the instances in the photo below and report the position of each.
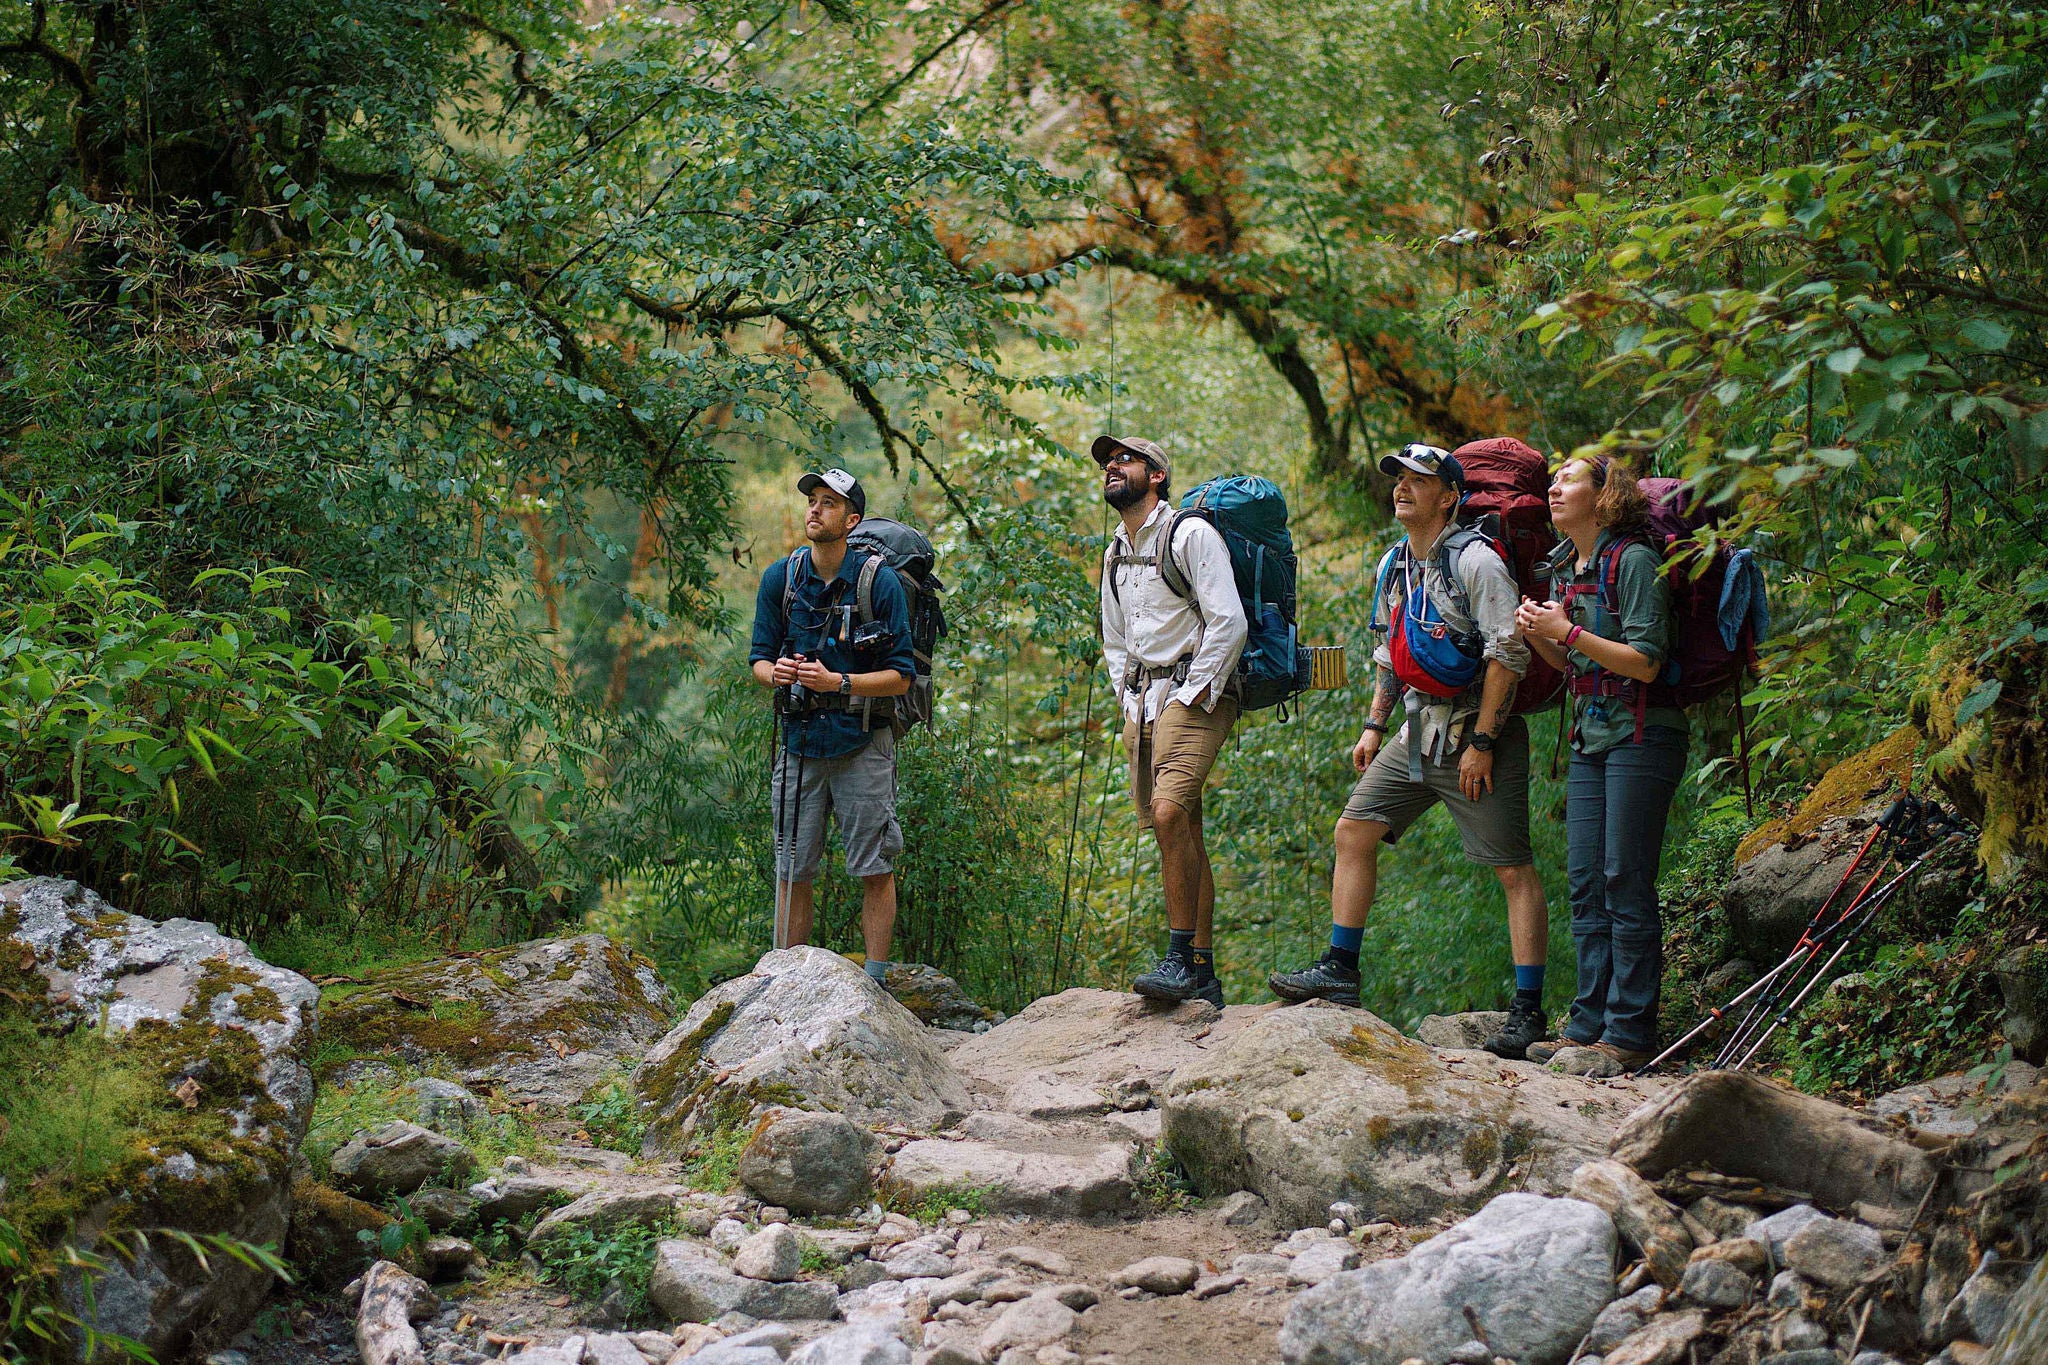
(1482, 741)
(1379, 726)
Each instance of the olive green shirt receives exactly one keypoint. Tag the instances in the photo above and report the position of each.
(1600, 723)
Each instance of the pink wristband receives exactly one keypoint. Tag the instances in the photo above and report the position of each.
(1572, 635)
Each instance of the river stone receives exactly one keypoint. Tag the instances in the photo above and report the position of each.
(1030, 1168)
(507, 1199)
(1465, 1031)
(1158, 1275)
(809, 1163)
(213, 1024)
(690, 1285)
(1778, 1229)
(540, 1021)
(1620, 1320)
(446, 1107)
(1716, 1284)
(1642, 1217)
(1978, 1311)
(1535, 1271)
(398, 1158)
(863, 1343)
(608, 1210)
(2024, 1339)
(1317, 1103)
(1663, 1340)
(1834, 1251)
(774, 1253)
(935, 998)
(806, 1029)
(1031, 1323)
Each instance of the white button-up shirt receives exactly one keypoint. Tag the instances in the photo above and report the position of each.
(1146, 623)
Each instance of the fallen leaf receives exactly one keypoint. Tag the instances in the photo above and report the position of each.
(556, 1044)
(187, 1092)
(562, 1302)
(28, 959)
(506, 1339)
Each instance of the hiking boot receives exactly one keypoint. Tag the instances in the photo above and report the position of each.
(1211, 991)
(1542, 1053)
(1173, 979)
(1525, 1026)
(1599, 1061)
(1325, 980)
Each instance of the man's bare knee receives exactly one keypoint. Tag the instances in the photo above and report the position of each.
(1356, 838)
(1170, 821)
(1520, 875)
(877, 880)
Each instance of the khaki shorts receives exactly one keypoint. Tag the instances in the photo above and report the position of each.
(1183, 745)
(858, 790)
(1494, 829)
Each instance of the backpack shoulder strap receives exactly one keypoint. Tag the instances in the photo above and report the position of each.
(1448, 549)
(797, 559)
(1170, 568)
(864, 587)
(1379, 586)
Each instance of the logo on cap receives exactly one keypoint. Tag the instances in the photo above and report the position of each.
(840, 482)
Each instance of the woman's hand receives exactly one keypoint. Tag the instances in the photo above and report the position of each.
(1545, 620)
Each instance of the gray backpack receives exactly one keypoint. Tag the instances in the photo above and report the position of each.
(909, 552)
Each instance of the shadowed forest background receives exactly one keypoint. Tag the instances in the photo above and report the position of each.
(399, 402)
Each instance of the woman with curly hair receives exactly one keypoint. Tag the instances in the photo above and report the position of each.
(1609, 628)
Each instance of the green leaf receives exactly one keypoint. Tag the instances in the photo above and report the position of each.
(1846, 360)
(1985, 334)
(325, 676)
(1979, 701)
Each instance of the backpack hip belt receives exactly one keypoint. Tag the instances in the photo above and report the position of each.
(1139, 676)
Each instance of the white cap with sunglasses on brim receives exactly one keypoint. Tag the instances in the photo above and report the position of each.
(1434, 461)
(1107, 448)
(840, 482)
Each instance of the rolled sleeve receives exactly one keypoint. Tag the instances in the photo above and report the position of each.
(1645, 602)
(1494, 599)
(769, 627)
(1207, 561)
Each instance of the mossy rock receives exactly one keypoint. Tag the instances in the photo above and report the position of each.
(542, 1021)
(1874, 776)
(192, 1055)
(326, 1253)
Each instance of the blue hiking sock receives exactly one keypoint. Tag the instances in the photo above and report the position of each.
(878, 969)
(1529, 985)
(1181, 945)
(1344, 945)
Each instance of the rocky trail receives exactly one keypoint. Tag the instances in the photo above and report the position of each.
(823, 1176)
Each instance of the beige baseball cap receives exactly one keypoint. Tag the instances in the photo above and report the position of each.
(1152, 453)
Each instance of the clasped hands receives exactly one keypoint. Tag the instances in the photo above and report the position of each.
(813, 675)
(1545, 620)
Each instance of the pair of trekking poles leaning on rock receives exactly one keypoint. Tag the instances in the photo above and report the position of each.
(1511, 586)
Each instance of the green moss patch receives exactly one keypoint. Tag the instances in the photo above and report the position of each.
(1843, 790)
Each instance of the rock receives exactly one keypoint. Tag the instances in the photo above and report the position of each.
(1640, 1215)
(768, 1336)
(1535, 1271)
(202, 1017)
(1215, 1286)
(1797, 1332)
(690, 1337)
(2023, 981)
(1159, 1275)
(1321, 1261)
(1620, 1320)
(325, 1251)
(1240, 1209)
(954, 1353)
(1743, 1125)
(1716, 1284)
(838, 1245)
(499, 1017)
(727, 1234)
(935, 998)
(690, 1285)
(1979, 1309)
(1079, 1297)
(1834, 1251)
(442, 1209)
(1044, 1097)
(1039, 1171)
(2024, 1339)
(1260, 1263)
(511, 1199)
(918, 1263)
(611, 1348)
(447, 1255)
(446, 1107)
(1752, 1258)
(1663, 1340)
(1036, 1258)
(1720, 1217)
(1464, 1031)
(1317, 1103)
(1781, 1226)
(1954, 1105)
(1031, 1323)
(773, 1253)
(861, 1344)
(603, 1211)
(809, 1163)
(390, 1301)
(1811, 1355)
(398, 1158)
(860, 1275)
(964, 1287)
(806, 1029)
(1788, 1290)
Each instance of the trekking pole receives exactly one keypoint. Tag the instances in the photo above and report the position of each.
(780, 766)
(1865, 914)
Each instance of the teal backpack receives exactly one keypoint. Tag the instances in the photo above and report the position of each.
(1251, 515)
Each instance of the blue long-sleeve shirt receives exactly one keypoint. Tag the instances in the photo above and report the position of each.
(823, 616)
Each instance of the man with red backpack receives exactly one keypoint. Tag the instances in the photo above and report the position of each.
(1449, 655)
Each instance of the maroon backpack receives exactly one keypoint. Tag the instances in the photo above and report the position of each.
(1507, 487)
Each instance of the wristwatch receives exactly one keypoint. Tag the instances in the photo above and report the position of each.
(846, 684)
(1482, 741)
(1378, 726)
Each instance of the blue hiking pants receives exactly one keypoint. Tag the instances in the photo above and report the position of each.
(1615, 806)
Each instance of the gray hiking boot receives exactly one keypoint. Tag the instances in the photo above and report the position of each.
(1524, 1026)
(1175, 980)
(1325, 980)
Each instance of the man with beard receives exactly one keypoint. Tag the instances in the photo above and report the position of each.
(837, 758)
(1172, 660)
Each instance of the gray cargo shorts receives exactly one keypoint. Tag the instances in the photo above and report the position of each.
(1494, 829)
(859, 788)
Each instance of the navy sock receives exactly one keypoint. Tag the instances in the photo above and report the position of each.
(1180, 945)
(1529, 986)
(1203, 960)
(1344, 945)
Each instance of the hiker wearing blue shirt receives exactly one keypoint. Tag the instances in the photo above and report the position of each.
(833, 673)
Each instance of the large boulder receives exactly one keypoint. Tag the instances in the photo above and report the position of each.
(809, 1163)
(1317, 1103)
(1019, 1166)
(1787, 867)
(935, 998)
(806, 1029)
(1533, 1272)
(1743, 1125)
(398, 1158)
(2023, 981)
(541, 1021)
(206, 1057)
